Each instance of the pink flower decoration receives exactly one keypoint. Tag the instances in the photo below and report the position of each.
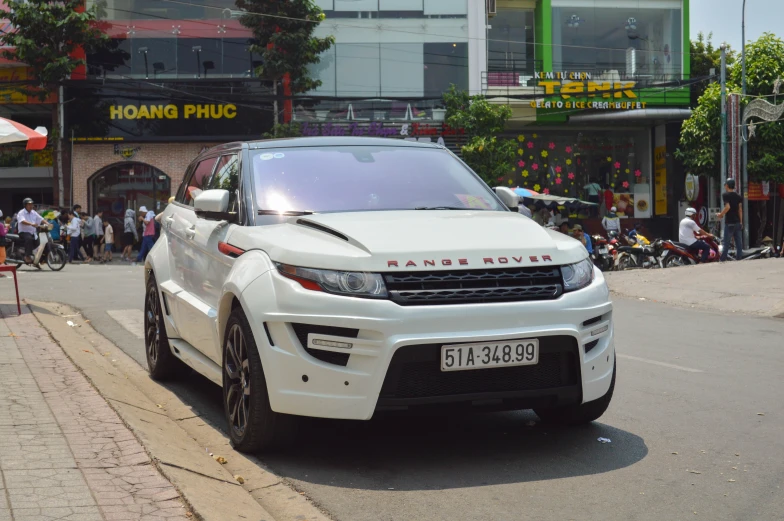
(551, 146)
(558, 169)
(638, 173)
(521, 163)
(530, 144)
(578, 161)
(617, 164)
(535, 166)
(568, 150)
(558, 181)
(546, 191)
(625, 184)
(500, 179)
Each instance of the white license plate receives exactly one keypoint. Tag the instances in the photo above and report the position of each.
(603, 250)
(480, 356)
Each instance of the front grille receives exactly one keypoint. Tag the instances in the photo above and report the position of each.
(330, 357)
(415, 372)
(474, 286)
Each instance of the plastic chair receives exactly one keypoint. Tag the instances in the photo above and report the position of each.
(12, 269)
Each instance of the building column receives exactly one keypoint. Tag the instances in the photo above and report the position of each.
(477, 44)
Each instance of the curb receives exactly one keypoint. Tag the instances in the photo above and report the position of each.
(177, 439)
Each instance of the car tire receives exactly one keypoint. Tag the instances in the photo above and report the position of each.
(161, 363)
(581, 413)
(253, 425)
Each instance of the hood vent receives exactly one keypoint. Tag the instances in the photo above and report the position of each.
(322, 228)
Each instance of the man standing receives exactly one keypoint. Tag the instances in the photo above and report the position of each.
(75, 233)
(688, 230)
(148, 238)
(611, 221)
(97, 252)
(592, 191)
(733, 224)
(28, 220)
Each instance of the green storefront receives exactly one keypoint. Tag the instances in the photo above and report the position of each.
(599, 89)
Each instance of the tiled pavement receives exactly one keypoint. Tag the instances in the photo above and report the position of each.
(64, 453)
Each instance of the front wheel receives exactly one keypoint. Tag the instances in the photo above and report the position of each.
(579, 414)
(253, 425)
(161, 363)
(56, 259)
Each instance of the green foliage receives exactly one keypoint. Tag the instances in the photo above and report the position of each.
(700, 144)
(490, 157)
(283, 130)
(45, 36)
(704, 57)
(285, 41)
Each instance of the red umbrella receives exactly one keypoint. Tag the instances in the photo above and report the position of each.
(12, 132)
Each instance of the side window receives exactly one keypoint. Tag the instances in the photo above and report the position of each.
(227, 177)
(185, 180)
(197, 182)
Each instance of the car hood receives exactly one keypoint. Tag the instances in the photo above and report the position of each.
(410, 240)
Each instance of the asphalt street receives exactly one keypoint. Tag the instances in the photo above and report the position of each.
(695, 427)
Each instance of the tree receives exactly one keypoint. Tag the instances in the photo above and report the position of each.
(704, 57)
(284, 39)
(488, 155)
(45, 37)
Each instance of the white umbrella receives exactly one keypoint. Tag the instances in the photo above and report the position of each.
(12, 132)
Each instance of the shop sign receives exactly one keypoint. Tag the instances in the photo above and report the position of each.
(187, 111)
(127, 153)
(692, 187)
(576, 87)
(11, 95)
(660, 180)
(756, 193)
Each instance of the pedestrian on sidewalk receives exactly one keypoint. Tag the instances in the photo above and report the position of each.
(108, 242)
(88, 240)
(3, 232)
(75, 233)
(130, 235)
(148, 238)
(733, 220)
(98, 227)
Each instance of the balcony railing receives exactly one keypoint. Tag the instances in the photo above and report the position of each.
(369, 110)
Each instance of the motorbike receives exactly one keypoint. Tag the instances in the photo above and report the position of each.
(47, 251)
(679, 254)
(641, 256)
(765, 252)
(601, 256)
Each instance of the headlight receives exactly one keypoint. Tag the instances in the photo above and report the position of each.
(349, 283)
(577, 276)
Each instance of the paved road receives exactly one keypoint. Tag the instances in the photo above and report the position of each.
(695, 427)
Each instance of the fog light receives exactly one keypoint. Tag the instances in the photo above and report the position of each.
(331, 343)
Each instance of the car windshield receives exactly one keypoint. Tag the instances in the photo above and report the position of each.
(365, 178)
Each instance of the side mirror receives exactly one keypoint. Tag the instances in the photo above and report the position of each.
(508, 197)
(213, 205)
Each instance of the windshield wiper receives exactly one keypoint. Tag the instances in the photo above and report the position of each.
(441, 208)
(287, 213)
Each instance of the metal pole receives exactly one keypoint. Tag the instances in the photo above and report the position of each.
(723, 113)
(745, 159)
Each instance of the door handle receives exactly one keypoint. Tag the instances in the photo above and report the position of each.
(190, 233)
(169, 221)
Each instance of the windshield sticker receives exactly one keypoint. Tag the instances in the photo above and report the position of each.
(266, 157)
(473, 201)
(279, 155)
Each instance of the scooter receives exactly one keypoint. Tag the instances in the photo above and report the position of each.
(48, 250)
(679, 254)
(765, 252)
(601, 256)
(641, 256)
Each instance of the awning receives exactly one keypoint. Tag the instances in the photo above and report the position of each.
(13, 132)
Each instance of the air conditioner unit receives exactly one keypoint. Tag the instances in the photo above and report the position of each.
(631, 62)
(491, 8)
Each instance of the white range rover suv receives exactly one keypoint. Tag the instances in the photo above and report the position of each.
(337, 277)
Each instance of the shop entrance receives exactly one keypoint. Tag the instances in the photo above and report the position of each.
(128, 185)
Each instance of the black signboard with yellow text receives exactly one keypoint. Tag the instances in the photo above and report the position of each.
(167, 112)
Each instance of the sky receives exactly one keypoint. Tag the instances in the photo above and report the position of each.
(723, 18)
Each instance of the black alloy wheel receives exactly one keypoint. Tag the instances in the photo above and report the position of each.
(161, 363)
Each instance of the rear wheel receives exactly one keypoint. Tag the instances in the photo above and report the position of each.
(161, 363)
(624, 263)
(673, 261)
(56, 259)
(581, 413)
(253, 425)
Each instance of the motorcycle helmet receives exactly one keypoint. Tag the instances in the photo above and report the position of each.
(690, 211)
(27, 201)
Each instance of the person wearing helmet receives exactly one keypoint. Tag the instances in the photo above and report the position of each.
(733, 223)
(689, 230)
(29, 220)
(611, 221)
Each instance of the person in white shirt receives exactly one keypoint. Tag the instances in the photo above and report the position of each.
(29, 220)
(688, 230)
(75, 233)
(98, 227)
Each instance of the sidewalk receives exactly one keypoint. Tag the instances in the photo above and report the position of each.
(754, 287)
(64, 453)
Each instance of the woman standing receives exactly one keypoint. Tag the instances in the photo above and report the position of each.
(130, 235)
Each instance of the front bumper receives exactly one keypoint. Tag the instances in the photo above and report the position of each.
(393, 359)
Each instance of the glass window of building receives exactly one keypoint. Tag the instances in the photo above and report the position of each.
(622, 39)
(510, 43)
(162, 10)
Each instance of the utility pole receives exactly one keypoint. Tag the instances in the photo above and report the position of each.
(745, 184)
(723, 113)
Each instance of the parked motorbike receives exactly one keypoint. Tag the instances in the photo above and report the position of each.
(601, 256)
(641, 256)
(48, 251)
(679, 254)
(765, 252)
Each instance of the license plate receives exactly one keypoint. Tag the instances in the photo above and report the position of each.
(480, 356)
(603, 250)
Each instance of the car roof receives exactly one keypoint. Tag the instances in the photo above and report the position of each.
(321, 141)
